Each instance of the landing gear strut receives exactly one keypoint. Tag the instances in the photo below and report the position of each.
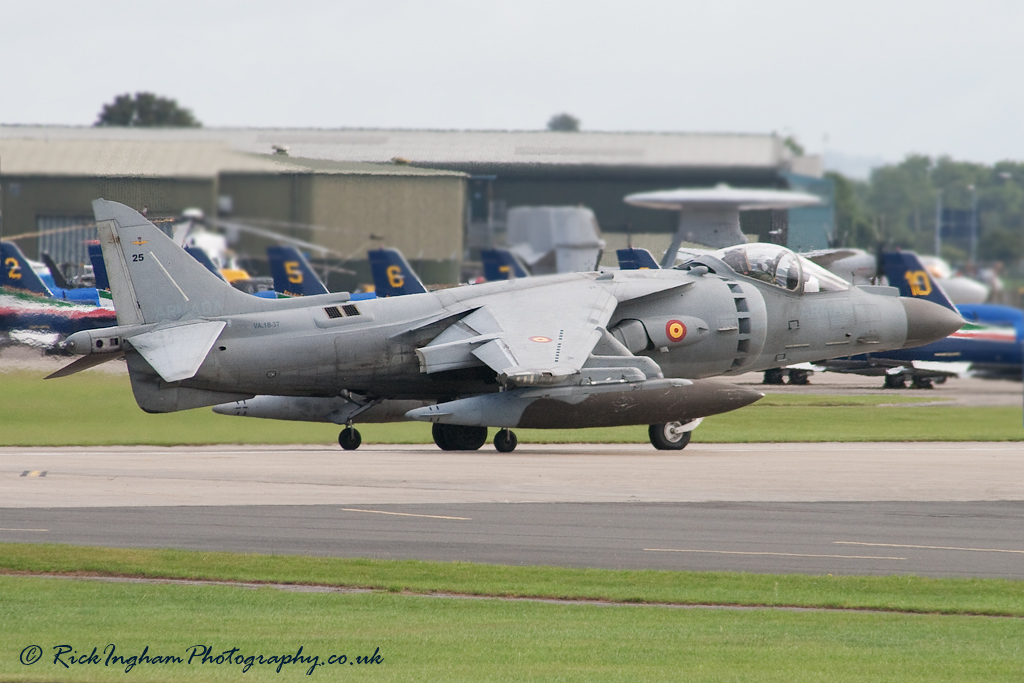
(669, 436)
(458, 437)
(349, 439)
(505, 441)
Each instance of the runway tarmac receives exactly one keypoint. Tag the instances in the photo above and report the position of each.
(938, 509)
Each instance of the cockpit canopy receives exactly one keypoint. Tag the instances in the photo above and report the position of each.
(779, 266)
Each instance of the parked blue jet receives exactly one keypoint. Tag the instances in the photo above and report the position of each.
(634, 258)
(18, 274)
(501, 264)
(392, 274)
(990, 344)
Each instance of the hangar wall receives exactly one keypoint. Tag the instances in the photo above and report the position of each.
(420, 214)
(29, 203)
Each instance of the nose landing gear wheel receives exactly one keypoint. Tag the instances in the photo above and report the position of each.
(668, 436)
(349, 439)
(505, 441)
(458, 437)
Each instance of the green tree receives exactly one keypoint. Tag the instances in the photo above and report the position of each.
(564, 122)
(144, 109)
(854, 227)
(902, 200)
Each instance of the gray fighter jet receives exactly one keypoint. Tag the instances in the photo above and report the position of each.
(559, 351)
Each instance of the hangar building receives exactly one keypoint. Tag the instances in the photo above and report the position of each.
(433, 194)
(48, 185)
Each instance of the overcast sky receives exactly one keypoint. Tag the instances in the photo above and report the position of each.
(865, 78)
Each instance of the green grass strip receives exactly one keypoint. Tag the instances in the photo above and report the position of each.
(434, 639)
(893, 593)
(95, 408)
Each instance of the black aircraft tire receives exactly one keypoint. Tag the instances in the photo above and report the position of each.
(505, 441)
(440, 434)
(459, 437)
(895, 382)
(350, 438)
(799, 377)
(773, 376)
(664, 437)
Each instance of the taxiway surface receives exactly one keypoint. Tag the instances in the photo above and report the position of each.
(879, 508)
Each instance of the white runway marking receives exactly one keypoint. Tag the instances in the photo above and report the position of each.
(930, 547)
(750, 552)
(404, 514)
(2, 529)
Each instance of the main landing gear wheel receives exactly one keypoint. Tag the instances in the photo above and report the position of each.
(922, 383)
(773, 376)
(799, 377)
(458, 437)
(668, 436)
(349, 439)
(895, 382)
(505, 441)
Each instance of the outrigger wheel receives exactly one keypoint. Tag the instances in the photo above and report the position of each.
(458, 437)
(669, 436)
(349, 439)
(505, 441)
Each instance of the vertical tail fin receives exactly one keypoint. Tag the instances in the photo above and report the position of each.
(501, 264)
(17, 273)
(392, 274)
(905, 272)
(634, 258)
(152, 279)
(55, 272)
(293, 276)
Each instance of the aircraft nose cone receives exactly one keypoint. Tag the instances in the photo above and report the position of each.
(928, 322)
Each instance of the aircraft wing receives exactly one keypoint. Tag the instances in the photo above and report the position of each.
(533, 338)
(530, 336)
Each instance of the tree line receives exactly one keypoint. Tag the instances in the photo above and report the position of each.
(901, 204)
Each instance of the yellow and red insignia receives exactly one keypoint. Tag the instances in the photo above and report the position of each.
(675, 330)
(540, 340)
(140, 242)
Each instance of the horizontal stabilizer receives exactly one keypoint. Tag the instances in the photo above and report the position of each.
(177, 352)
(84, 363)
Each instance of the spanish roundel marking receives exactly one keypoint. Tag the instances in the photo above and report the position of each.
(675, 330)
(540, 340)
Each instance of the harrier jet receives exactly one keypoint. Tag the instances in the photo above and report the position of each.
(560, 351)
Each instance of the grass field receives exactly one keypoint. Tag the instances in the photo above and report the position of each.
(899, 593)
(443, 638)
(437, 639)
(95, 408)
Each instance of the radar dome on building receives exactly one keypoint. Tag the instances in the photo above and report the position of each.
(711, 216)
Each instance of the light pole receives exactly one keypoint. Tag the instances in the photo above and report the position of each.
(938, 225)
(974, 224)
